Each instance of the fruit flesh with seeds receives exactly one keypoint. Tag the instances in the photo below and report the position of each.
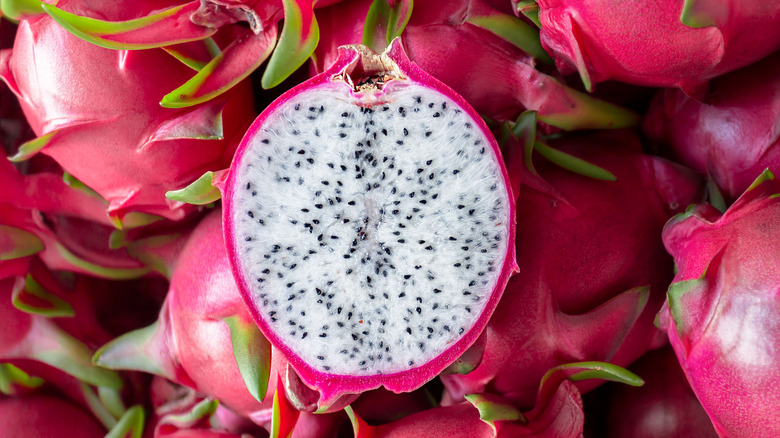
(367, 220)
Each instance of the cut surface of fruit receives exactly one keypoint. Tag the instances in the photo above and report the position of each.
(368, 220)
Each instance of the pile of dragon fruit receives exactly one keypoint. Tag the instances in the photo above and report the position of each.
(389, 218)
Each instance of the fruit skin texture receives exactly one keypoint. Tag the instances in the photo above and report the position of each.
(734, 136)
(45, 416)
(102, 109)
(723, 310)
(336, 390)
(648, 42)
(557, 410)
(665, 407)
(495, 76)
(191, 343)
(54, 217)
(582, 292)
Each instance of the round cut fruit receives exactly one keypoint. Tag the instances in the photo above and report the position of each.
(368, 219)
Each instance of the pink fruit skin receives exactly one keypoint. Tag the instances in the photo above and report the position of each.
(192, 344)
(665, 407)
(333, 387)
(734, 136)
(45, 417)
(61, 217)
(584, 247)
(558, 414)
(645, 43)
(114, 136)
(202, 293)
(173, 404)
(461, 421)
(24, 332)
(723, 312)
(497, 78)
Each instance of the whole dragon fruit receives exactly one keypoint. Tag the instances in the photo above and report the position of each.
(204, 337)
(723, 310)
(663, 43)
(41, 215)
(491, 57)
(557, 410)
(44, 417)
(734, 136)
(50, 330)
(246, 29)
(665, 407)
(97, 114)
(593, 269)
(179, 411)
(368, 221)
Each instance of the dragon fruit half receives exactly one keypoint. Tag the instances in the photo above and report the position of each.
(583, 293)
(723, 312)
(734, 136)
(368, 221)
(664, 43)
(97, 114)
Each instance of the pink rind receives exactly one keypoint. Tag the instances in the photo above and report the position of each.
(331, 386)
